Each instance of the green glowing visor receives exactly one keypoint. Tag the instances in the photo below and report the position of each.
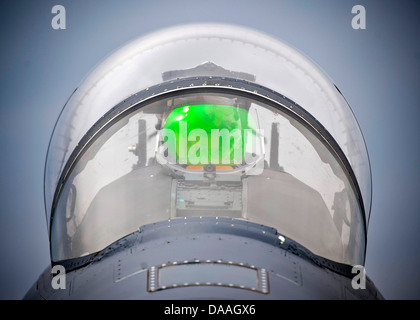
(196, 135)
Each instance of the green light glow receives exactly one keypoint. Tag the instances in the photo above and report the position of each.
(209, 133)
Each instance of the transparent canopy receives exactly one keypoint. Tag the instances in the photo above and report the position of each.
(256, 163)
(235, 156)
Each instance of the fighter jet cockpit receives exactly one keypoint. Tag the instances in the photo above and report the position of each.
(208, 121)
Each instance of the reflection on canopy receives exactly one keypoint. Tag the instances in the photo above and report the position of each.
(298, 186)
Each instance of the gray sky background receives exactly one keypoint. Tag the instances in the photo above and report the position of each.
(377, 70)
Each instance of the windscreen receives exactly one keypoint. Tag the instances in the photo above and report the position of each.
(209, 154)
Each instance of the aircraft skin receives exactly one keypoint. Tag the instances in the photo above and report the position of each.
(216, 232)
(195, 258)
